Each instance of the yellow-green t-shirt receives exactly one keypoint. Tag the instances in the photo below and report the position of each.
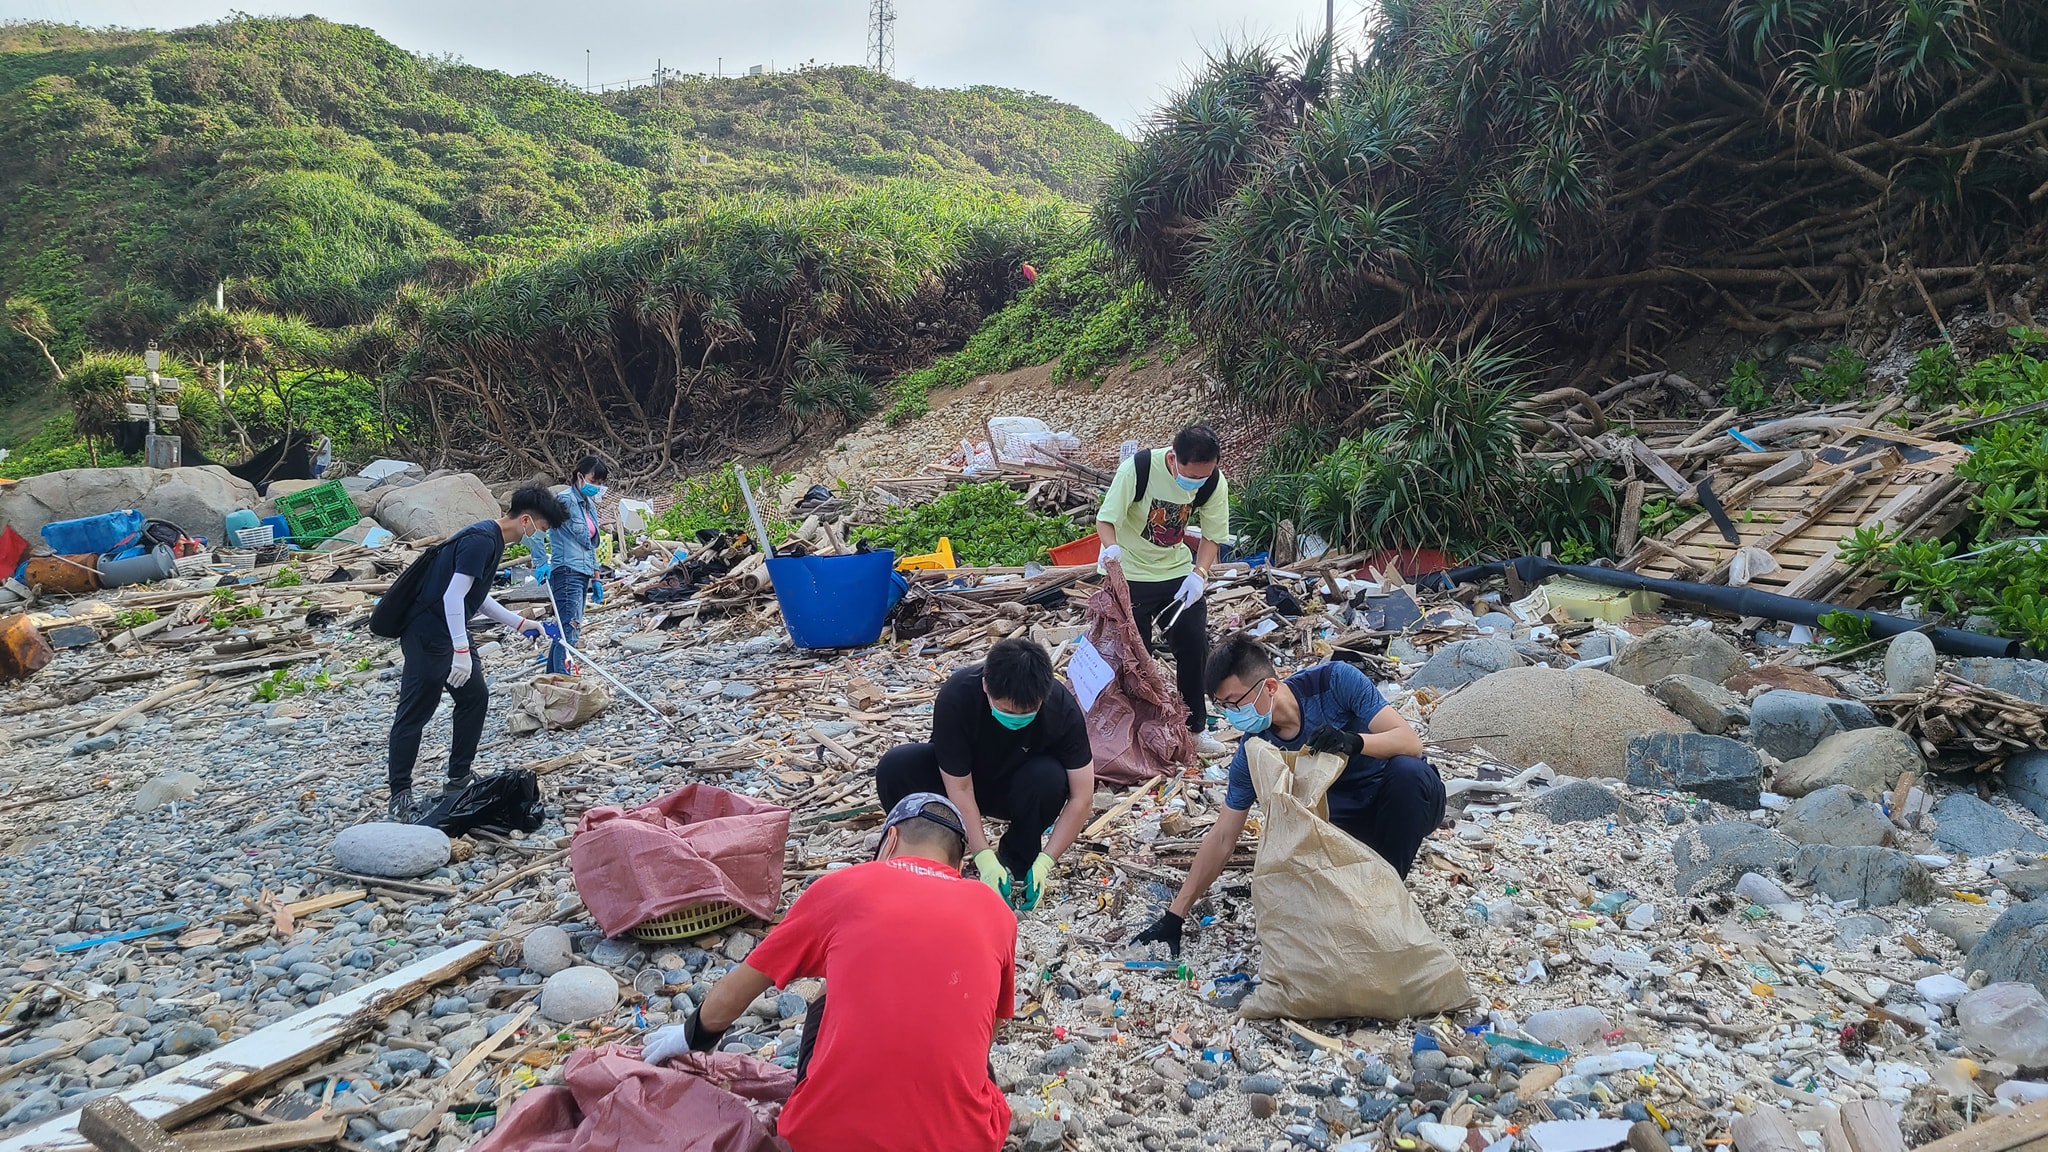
(1155, 532)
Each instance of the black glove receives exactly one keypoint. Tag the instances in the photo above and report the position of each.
(702, 1039)
(1166, 930)
(666, 1043)
(1336, 741)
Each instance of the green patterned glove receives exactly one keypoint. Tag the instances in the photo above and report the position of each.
(993, 873)
(1035, 881)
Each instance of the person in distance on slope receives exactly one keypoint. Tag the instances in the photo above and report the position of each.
(436, 641)
(1164, 518)
(1008, 740)
(1389, 797)
(572, 555)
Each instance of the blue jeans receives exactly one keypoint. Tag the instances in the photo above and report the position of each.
(569, 587)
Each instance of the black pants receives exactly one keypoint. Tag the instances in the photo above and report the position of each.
(428, 656)
(1389, 806)
(1188, 640)
(1029, 796)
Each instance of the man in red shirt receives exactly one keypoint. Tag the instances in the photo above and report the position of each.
(917, 963)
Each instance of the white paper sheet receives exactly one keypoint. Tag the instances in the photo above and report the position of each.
(1088, 672)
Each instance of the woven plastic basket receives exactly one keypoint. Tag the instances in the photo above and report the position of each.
(255, 537)
(687, 922)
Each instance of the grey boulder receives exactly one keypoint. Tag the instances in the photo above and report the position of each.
(1711, 708)
(1963, 924)
(2015, 947)
(1874, 877)
(195, 499)
(1910, 663)
(2027, 679)
(395, 850)
(1869, 760)
(1712, 857)
(437, 508)
(1578, 801)
(1578, 721)
(547, 950)
(1715, 767)
(1788, 725)
(1965, 824)
(577, 994)
(1678, 651)
(169, 788)
(1836, 815)
(2026, 781)
(1464, 661)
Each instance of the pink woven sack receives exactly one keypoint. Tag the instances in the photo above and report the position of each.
(692, 846)
(1138, 727)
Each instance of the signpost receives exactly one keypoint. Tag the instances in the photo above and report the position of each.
(161, 450)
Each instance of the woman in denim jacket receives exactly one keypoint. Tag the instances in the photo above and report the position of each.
(572, 555)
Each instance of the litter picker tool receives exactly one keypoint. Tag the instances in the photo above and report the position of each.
(584, 657)
(754, 513)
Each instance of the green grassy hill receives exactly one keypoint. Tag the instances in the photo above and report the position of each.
(318, 168)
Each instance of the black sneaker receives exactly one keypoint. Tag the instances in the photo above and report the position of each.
(402, 808)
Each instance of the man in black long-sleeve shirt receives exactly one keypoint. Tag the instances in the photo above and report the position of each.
(1008, 740)
(436, 641)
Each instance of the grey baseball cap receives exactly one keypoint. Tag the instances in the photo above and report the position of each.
(914, 807)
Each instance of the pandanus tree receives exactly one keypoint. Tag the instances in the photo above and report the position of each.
(1587, 178)
(663, 347)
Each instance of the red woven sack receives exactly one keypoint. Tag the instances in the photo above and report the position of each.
(611, 1102)
(692, 846)
(1138, 727)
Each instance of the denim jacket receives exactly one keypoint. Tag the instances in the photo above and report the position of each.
(574, 544)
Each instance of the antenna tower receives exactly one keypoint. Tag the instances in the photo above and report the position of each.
(882, 36)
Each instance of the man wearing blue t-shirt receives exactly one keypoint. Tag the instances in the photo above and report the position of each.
(1389, 798)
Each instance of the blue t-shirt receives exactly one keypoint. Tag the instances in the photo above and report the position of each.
(1336, 694)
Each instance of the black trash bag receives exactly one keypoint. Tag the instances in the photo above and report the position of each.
(1285, 601)
(502, 802)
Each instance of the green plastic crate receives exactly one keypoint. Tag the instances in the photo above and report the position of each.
(319, 512)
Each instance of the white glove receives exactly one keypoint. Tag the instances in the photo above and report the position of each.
(1190, 589)
(1110, 554)
(665, 1043)
(459, 669)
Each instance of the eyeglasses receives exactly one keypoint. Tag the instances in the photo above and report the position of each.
(1241, 701)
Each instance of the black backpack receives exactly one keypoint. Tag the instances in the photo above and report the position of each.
(1142, 463)
(401, 601)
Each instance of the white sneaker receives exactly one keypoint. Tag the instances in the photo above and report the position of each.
(1209, 747)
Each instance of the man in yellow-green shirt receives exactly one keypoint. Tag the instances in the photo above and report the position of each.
(1164, 518)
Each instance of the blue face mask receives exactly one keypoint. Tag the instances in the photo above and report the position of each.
(593, 490)
(1189, 483)
(1247, 718)
(1012, 720)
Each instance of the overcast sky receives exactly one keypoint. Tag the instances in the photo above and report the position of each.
(1115, 58)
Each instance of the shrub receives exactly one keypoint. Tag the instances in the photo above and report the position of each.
(1442, 468)
(714, 502)
(987, 523)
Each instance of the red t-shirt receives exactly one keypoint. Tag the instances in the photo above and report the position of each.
(917, 964)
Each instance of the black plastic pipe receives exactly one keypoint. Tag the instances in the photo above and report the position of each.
(1722, 598)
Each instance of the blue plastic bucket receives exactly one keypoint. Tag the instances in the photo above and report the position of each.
(834, 601)
(97, 534)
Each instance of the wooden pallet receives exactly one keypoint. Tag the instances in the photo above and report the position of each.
(1801, 507)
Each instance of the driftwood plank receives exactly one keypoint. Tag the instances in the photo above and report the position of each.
(241, 1066)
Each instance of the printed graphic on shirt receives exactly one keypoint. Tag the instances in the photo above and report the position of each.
(1167, 523)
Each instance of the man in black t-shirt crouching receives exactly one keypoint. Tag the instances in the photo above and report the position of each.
(1009, 741)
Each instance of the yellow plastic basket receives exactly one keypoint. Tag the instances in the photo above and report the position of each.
(687, 922)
